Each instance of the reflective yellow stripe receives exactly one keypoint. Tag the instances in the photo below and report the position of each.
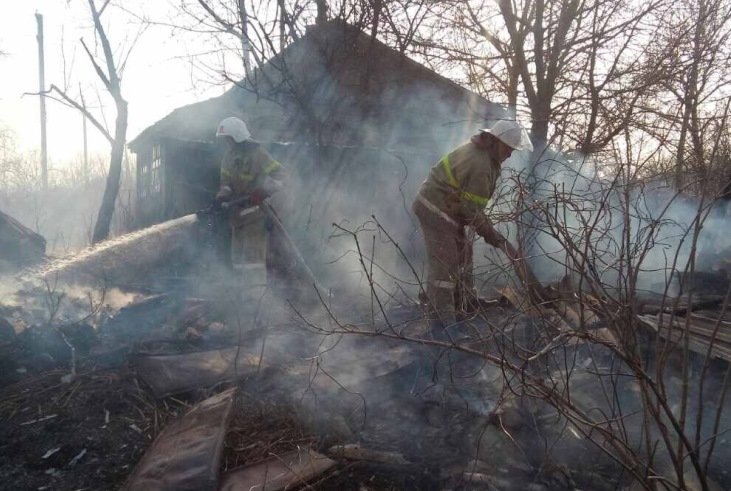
(475, 198)
(271, 167)
(480, 200)
(448, 170)
(244, 176)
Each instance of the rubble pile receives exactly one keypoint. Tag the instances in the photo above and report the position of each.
(19, 246)
(349, 399)
(170, 388)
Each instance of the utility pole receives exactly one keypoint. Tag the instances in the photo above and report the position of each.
(42, 85)
(86, 153)
(282, 25)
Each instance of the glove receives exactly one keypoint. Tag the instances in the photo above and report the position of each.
(224, 194)
(492, 236)
(495, 240)
(257, 196)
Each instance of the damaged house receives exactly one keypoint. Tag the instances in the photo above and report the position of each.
(352, 119)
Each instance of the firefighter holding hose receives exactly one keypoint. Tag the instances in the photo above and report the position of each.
(249, 175)
(450, 207)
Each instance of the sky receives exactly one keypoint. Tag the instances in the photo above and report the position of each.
(158, 76)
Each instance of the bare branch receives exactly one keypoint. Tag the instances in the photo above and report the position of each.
(113, 79)
(100, 73)
(82, 109)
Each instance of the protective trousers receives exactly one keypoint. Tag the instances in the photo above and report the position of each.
(449, 252)
(249, 243)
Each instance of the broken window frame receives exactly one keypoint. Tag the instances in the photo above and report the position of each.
(155, 181)
(151, 174)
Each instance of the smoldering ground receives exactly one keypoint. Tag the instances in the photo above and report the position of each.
(336, 392)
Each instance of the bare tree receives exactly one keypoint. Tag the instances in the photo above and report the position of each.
(585, 71)
(14, 172)
(263, 29)
(112, 83)
(108, 71)
(694, 44)
(574, 67)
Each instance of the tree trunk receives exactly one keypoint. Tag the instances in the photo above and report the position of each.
(321, 11)
(245, 42)
(680, 158)
(377, 7)
(106, 210)
(539, 129)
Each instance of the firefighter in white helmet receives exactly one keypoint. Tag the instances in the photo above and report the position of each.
(450, 207)
(249, 175)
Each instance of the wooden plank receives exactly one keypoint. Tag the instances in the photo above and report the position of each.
(700, 347)
(560, 315)
(572, 312)
(522, 303)
(173, 374)
(696, 344)
(701, 326)
(278, 472)
(186, 456)
(525, 274)
(709, 324)
(698, 302)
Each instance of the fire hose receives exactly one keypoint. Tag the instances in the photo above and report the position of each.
(275, 221)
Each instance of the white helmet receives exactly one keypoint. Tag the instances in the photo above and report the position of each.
(235, 128)
(510, 133)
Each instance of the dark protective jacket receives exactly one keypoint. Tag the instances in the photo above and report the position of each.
(461, 184)
(249, 166)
